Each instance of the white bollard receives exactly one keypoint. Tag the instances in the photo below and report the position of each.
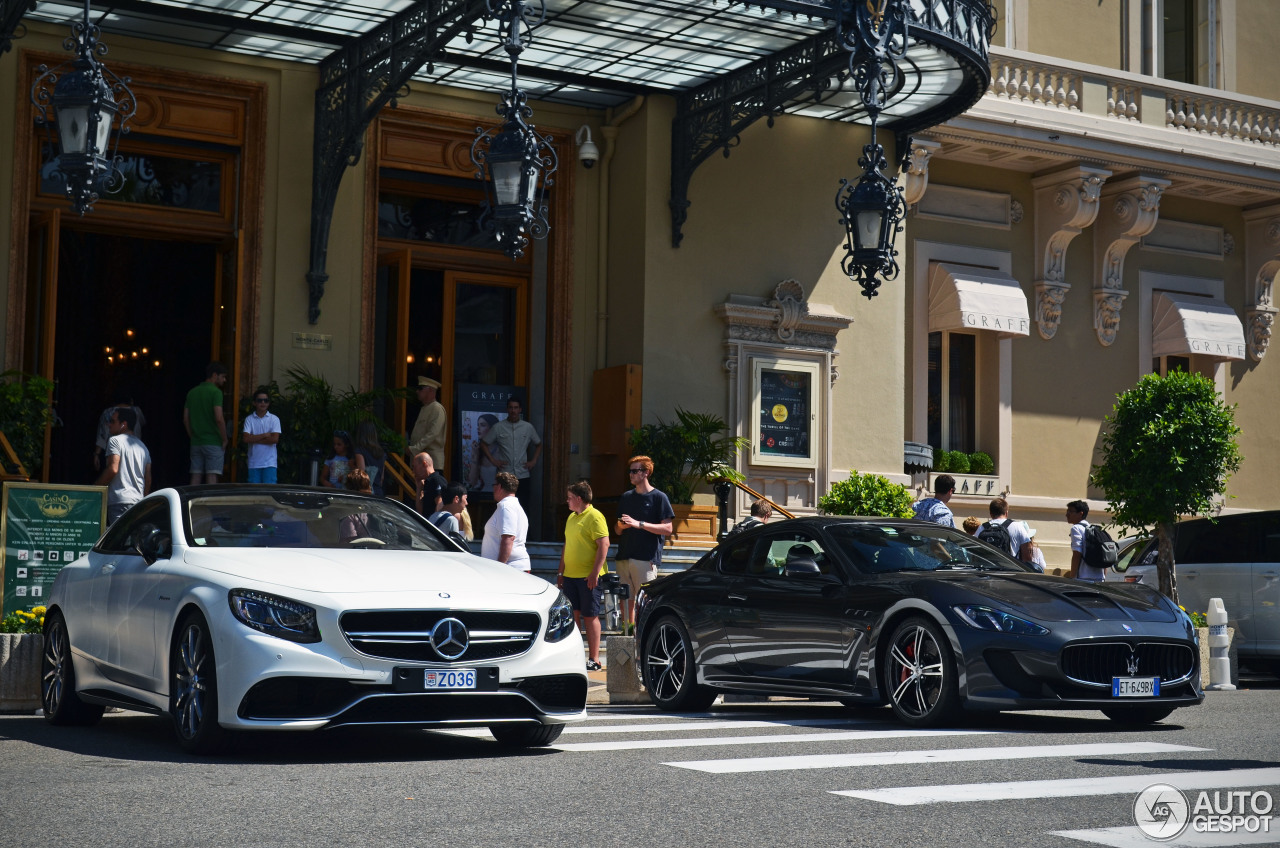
(1219, 644)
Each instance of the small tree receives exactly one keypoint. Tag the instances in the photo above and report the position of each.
(867, 494)
(1168, 451)
(687, 452)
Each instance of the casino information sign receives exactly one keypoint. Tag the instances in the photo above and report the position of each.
(785, 401)
(45, 526)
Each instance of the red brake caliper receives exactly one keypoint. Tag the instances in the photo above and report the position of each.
(910, 651)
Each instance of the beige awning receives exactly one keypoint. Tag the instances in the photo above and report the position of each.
(965, 298)
(1187, 324)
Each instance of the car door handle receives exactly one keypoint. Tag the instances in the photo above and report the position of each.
(108, 568)
(734, 597)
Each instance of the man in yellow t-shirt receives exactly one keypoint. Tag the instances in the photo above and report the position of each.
(584, 560)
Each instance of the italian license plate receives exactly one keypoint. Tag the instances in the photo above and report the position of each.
(454, 678)
(1135, 687)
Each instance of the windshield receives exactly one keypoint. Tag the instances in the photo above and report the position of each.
(249, 519)
(877, 548)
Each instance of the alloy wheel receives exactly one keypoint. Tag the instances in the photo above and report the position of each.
(666, 662)
(916, 674)
(54, 679)
(191, 681)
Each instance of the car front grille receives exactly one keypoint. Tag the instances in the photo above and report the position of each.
(1095, 664)
(406, 634)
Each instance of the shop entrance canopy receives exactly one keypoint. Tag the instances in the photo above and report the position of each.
(966, 298)
(1184, 324)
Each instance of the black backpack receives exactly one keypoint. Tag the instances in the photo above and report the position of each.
(997, 536)
(1099, 549)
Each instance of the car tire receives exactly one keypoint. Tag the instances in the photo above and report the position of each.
(193, 688)
(670, 673)
(523, 736)
(1137, 715)
(920, 674)
(62, 706)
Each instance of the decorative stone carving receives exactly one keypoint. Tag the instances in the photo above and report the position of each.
(787, 318)
(1262, 264)
(917, 176)
(1130, 211)
(1066, 203)
(1228, 244)
(1016, 212)
(788, 299)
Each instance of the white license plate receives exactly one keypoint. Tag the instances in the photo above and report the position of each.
(454, 678)
(1135, 687)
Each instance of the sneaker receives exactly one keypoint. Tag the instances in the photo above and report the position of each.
(594, 665)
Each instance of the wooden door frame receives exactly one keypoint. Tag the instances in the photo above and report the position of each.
(449, 136)
(238, 110)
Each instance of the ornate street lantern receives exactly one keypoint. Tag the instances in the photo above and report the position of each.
(872, 209)
(516, 162)
(84, 99)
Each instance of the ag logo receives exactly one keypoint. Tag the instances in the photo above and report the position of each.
(1161, 811)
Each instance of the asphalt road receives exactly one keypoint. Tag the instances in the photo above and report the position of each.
(741, 775)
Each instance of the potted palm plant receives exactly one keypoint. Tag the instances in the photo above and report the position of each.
(688, 453)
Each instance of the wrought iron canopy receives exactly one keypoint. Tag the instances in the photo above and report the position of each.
(728, 62)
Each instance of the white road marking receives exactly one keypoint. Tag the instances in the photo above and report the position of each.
(889, 758)
(1068, 788)
(710, 741)
(1133, 837)
(712, 725)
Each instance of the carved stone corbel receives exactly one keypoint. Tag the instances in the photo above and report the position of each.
(917, 174)
(1130, 209)
(1262, 265)
(1066, 203)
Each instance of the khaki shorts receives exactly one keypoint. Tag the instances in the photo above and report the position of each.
(635, 573)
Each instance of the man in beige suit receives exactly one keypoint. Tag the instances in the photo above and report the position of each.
(432, 426)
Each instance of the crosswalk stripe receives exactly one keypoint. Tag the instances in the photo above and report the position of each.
(1133, 837)
(1067, 788)
(887, 758)
(712, 725)
(711, 741)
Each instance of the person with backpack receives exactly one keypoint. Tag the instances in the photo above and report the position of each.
(1092, 550)
(1003, 533)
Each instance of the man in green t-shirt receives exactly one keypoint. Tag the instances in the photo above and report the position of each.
(585, 559)
(207, 429)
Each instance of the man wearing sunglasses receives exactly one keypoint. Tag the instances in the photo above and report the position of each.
(262, 434)
(644, 520)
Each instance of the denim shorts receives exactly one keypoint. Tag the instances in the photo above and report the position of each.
(206, 459)
(588, 602)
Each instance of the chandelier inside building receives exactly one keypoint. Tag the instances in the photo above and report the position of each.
(83, 100)
(515, 160)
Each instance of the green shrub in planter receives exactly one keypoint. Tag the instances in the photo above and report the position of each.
(941, 460)
(867, 494)
(958, 462)
(981, 463)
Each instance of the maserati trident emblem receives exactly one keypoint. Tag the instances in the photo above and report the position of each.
(1132, 663)
(449, 638)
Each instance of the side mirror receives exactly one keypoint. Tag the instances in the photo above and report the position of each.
(153, 545)
(802, 567)
(459, 540)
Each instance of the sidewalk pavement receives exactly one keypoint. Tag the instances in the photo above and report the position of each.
(597, 689)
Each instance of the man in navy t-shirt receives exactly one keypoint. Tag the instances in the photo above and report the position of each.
(644, 520)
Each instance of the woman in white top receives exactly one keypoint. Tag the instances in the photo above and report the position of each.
(505, 532)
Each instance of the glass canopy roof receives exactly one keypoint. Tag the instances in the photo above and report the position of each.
(591, 53)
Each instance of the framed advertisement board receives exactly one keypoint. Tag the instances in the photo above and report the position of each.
(479, 408)
(43, 527)
(784, 413)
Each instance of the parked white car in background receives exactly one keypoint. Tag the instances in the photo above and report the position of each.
(268, 607)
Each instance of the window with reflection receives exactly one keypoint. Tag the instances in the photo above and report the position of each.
(432, 219)
(151, 179)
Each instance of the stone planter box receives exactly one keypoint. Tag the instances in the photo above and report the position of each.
(694, 526)
(20, 671)
(1202, 633)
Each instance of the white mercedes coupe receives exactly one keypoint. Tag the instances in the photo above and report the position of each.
(237, 607)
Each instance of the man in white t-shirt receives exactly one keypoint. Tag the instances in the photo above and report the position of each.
(262, 434)
(1019, 546)
(127, 470)
(505, 532)
(1078, 518)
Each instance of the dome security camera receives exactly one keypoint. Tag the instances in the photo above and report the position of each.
(588, 153)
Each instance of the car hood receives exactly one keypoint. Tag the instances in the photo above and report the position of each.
(368, 571)
(1063, 599)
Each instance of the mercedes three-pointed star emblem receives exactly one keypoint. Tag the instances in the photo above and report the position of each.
(450, 638)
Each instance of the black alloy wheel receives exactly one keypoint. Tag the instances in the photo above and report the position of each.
(524, 736)
(193, 688)
(62, 706)
(670, 674)
(920, 674)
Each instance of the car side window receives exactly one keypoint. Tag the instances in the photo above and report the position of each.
(1204, 542)
(734, 559)
(1269, 531)
(129, 531)
(773, 553)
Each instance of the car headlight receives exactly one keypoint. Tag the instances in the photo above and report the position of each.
(998, 621)
(559, 619)
(275, 616)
